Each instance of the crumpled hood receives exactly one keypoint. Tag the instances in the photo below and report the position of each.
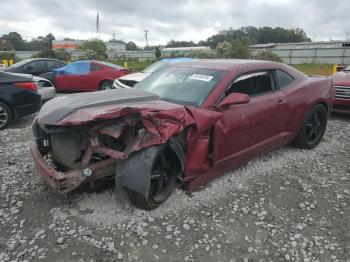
(78, 109)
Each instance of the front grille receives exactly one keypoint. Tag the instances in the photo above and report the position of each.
(342, 92)
(130, 83)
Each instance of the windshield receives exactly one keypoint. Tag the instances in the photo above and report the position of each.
(182, 85)
(154, 67)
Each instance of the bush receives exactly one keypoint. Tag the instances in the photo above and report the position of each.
(268, 55)
(62, 54)
(236, 49)
(97, 46)
(7, 55)
(47, 53)
(201, 54)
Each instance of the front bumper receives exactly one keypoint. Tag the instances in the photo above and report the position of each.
(65, 182)
(341, 106)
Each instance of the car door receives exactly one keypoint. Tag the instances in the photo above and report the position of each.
(35, 67)
(73, 77)
(248, 129)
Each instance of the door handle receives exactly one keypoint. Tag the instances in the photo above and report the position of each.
(281, 101)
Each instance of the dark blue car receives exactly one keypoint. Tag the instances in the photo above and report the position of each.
(18, 97)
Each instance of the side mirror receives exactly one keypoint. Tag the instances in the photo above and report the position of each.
(28, 68)
(234, 99)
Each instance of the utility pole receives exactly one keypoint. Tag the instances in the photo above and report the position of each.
(146, 36)
(113, 36)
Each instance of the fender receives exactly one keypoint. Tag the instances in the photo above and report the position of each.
(178, 151)
(134, 173)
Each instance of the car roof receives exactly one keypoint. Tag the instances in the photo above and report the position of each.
(36, 59)
(224, 64)
(176, 59)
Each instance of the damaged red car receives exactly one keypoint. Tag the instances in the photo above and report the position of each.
(187, 124)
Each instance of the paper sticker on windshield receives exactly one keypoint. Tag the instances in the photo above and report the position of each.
(199, 77)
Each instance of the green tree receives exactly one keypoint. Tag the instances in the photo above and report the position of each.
(157, 52)
(173, 43)
(97, 46)
(131, 46)
(62, 54)
(16, 41)
(235, 49)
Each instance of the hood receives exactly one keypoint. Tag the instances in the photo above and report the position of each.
(342, 78)
(138, 77)
(79, 109)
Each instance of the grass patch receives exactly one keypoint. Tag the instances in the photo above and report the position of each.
(315, 69)
(135, 65)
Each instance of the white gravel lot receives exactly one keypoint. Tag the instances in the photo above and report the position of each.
(289, 205)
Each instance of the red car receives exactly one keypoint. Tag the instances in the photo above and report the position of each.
(187, 123)
(87, 76)
(341, 101)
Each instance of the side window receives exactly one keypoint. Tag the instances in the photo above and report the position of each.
(283, 78)
(95, 67)
(253, 84)
(53, 64)
(35, 65)
(78, 68)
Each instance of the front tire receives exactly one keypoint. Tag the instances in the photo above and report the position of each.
(6, 116)
(163, 180)
(105, 85)
(313, 128)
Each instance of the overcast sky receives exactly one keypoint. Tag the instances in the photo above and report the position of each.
(170, 19)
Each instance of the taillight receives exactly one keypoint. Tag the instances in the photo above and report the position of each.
(27, 85)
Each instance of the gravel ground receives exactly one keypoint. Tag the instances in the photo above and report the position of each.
(289, 205)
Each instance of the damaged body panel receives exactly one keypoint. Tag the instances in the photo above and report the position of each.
(196, 119)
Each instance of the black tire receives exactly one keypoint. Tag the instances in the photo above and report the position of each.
(165, 170)
(313, 128)
(105, 85)
(6, 116)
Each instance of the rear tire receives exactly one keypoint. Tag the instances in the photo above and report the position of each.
(163, 180)
(6, 116)
(313, 128)
(105, 85)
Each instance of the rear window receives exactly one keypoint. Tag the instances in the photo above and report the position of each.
(283, 79)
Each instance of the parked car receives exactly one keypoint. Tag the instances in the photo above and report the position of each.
(342, 88)
(45, 87)
(34, 66)
(130, 80)
(188, 122)
(87, 75)
(18, 97)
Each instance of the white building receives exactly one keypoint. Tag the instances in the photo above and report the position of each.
(168, 51)
(115, 47)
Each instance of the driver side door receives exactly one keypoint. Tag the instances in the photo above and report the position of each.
(246, 130)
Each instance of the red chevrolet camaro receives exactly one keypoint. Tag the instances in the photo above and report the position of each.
(341, 100)
(187, 123)
(87, 76)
